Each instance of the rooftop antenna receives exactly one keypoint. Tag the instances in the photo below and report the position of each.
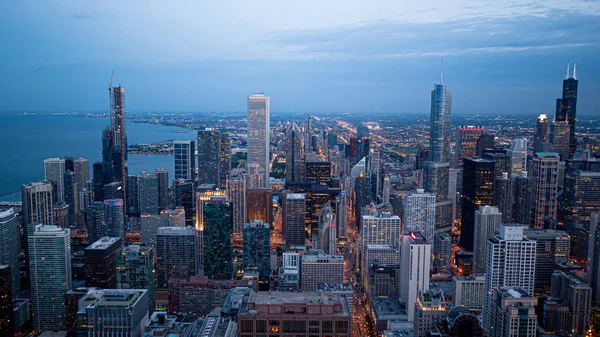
(442, 70)
(574, 71)
(568, 66)
(111, 78)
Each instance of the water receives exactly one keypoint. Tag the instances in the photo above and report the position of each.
(26, 140)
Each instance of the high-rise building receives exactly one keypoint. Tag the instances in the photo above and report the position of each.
(224, 160)
(510, 263)
(517, 157)
(254, 176)
(504, 196)
(113, 190)
(294, 163)
(257, 251)
(541, 134)
(419, 214)
(512, 313)
(176, 254)
(259, 205)
(560, 138)
(150, 223)
(469, 291)
(217, 251)
(327, 234)
(50, 268)
(81, 168)
(415, 266)
(185, 159)
(578, 294)
(383, 228)
(430, 311)
(544, 186)
(54, 170)
(341, 215)
(114, 218)
(581, 196)
(521, 208)
(566, 107)
(96, 225)
(10, 237)
(132, 201)
(162, 177)
(466, 143)
(118, 312)
(294, 219)
(259, 134)
(442, 253)
(118, 133)
(148, 200)
(203, 193)
(101, 262)
(72, 189)
(37, 205)
(386, 190)
(173, 217)
(501, 158)
(317, 267)
(487, 222)
(318, 172)
(236, 195)
(552, 249)
(485, 141)
(6, 301)
(183, 196)
(593, 272)
(135, 270)
(477, 191)
(209, 149)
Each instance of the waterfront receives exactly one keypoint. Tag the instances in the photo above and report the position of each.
(27, 139)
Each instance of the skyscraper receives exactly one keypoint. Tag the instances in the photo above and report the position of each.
(318, 267)
(259, 134)
(50, 268)
(541, 133)
(566, 107)
(119, 134)
(383, 228)
(485, 141)
(114, 218)
(419, 214)
(327, 233)
(54, 170)
(203, 193)
(487, 222)
(414, 269)
(176, 254)
(9, 248)
(477, 191)
(96, 225)
(37, 205)
(560, 138)
(581, 196)
(544, 186)
(341, 216)
(510, 263)
(504, 196)
(81, 168)
(135, 270)
(162, 177)
(209, 149)
(183, 196)
(148, 200)
(217, 251)
(521, 209)
(101, 262)
(294, 219)
(466, 142)
(185, 159)
(236, 194)
(224, 160)
(518, 156)
(259, 205)
(512, 313)
(552, 248)
(257, 251)
(6, 301)
(294, 163)
(386, 190)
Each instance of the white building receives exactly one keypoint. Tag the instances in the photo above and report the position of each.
(318, 267)
(487, 223)
(419, 214)
(259, 134)
(518, 157)
(54, 171)
(469, 291)
(512, 314)
(383, 228)
(415, 267)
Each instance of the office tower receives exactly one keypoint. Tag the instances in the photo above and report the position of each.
(61, 214)
(552, 249)
(224, 160)
(485, 141)
(383, 228)
(113, 190)
(504, 196)
(185, 160)
(162, 177)
(289, 273)
(102, 176)
(81, 168)
(173, 217)
(431, 311)
(541, 133)
(442, 252)
(581, 196)
(500, 157)
(209, 148)
(419, 214)
(253, 176)
(469, 291)
(183, 196)
(317, 267)
(293, 313)
(438, 163)
(135, 270)
(510, 263)
(294, 155)
(294, 219)
(54, 170)
(217, 251)
(566, 107)
(327, 234)
(132, 202)
(114, 218)
(477, 191)
(517, 157)
(114, 312)
(521, 208)
(414, 269)
(150, 223)
(544, 186)
(86, 198)
(466, 143)
(176, 254)
(454, 177)
(10, 237)
(101, 262)
(257, 252)
(487, 222)
(203, 193)
(259, 134)
(578, 295)
(37, 205)
(119, 134)
(96, 225)
(308, 135)
(259, 205)
(148, 200)
(341, 215)
(72, 189)
(236, 195)
(560, 138)
(593, 272)
(50, 276)
(6, 301)
(318, 172)
(421, 154)
(512, 313)
(386, 190)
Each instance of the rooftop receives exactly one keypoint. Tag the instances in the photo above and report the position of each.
(389, 308)
(513, 293)
(103, 243)
(176, 231)
(110, 298)
(295, 196)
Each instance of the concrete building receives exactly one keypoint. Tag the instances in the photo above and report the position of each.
(257, 250)
(517, 157)
(442, 252)
(185, 159)
(469, 291)
(487, 222)
(383, 228)
(430, 311)
(54, 171)
(259, 132)
(209, 147)
(466, 143)
(135, 270)
(10, 237)
(294, 219)
(578, 294)
(317, 267)
(101, 262)
(512, 313)
(386, 310)
(148, 196)
(544, 186)
(552, 249)
(38, 205)
(415, 268)
(176, 254)
(419, 214)
(236, 194)
(173, 217)
(581, 196)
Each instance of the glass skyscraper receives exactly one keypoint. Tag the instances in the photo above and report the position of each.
(259, 134)
(566, 107)
(216, 238)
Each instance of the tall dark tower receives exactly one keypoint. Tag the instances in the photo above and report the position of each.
(114, 140)
(566, 107)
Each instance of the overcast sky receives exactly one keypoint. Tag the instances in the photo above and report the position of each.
(310, 56)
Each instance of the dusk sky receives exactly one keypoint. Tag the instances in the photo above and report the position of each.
(500, 57)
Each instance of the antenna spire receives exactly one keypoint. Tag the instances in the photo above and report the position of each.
(442, 70)
(574, 71)
(111, 78)
(568, 66)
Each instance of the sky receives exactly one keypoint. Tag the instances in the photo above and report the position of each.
(319, 56)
